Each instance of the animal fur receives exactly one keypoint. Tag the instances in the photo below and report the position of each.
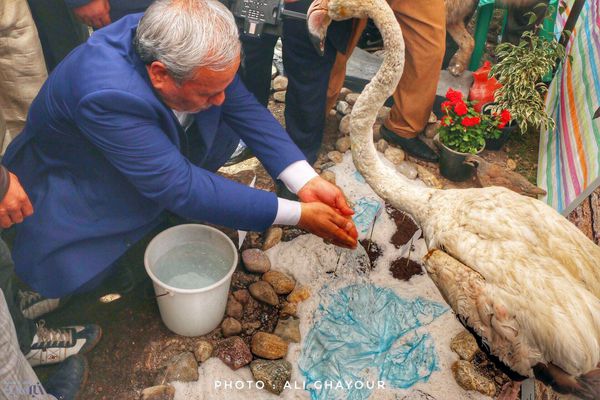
(456, 12)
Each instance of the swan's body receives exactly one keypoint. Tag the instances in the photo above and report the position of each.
(511, 267)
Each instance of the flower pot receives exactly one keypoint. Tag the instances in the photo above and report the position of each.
(496, 144)
(452, 163)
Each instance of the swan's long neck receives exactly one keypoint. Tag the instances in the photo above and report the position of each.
(385, 181)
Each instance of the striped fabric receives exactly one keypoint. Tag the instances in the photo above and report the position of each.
(569, 157)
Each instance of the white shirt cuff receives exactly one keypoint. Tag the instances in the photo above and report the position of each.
(296, 175)
(288, 212)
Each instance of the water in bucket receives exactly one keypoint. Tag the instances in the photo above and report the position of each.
(191, 266)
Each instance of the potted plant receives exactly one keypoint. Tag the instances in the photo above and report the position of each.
(498, 127)
(520, 70)
(461, 133)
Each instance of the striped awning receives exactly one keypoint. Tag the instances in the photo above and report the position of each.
(569, 157)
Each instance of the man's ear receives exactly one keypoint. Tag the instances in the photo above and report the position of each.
(158, 74)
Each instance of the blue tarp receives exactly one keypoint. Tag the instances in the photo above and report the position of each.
(364, 333)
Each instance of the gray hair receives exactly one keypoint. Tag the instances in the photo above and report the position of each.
(187, 34)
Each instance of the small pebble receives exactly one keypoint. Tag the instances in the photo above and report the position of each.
(279, 96)
(269, 346)
(234, 308)
(343, 144)
(231, 327)
(233, 352)
(428, 178)
(396, 156)
(288, 329)
(299, 294)
(465, 345)
(274, 374)
(250, 327)
(279, 83)
(469, 379)
(160, 392)
(335, 156)
(241, 295)
(511, 164)
(344, 127)
(182, 367)
(432, 118)
(382, 145)
(343, 108)
(289, 309)
(282, 283)
(264, 292)
(255, 260)
(343, 93)
(351, 98)
(203, 351)
(407, 169)
(272, 237)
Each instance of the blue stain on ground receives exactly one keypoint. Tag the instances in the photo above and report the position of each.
(368, 331)
(365, 211)
(359, 177)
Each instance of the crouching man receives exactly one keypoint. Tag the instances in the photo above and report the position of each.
(134, 123)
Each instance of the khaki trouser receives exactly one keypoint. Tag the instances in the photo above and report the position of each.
(423, 24)
(22, 67)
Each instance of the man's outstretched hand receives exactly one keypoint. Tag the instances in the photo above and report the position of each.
(318, 189)
(15, 205)
(327, 223)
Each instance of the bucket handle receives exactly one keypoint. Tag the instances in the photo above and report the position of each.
(148, 296)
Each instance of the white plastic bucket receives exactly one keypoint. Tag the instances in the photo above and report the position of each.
(191, 312)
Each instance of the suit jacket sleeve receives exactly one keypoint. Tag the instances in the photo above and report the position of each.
(126, 130)
(259, 129)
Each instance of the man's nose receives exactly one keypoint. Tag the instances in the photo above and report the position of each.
(217, 99)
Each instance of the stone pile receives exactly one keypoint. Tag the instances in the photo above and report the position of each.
(260, 321)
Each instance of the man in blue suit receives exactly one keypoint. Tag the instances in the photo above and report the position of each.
(133, 123)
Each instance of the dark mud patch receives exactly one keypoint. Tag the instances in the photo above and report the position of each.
(405, 226)
(404, 269)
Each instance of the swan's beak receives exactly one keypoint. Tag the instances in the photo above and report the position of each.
(318, 20)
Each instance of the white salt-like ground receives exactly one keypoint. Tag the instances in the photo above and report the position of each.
(307, 259)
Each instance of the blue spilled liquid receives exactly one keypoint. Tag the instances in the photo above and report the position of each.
(368, 330)
(191, 266)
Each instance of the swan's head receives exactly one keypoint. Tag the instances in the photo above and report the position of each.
(322, 12)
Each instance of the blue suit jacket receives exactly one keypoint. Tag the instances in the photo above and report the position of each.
(100, 159)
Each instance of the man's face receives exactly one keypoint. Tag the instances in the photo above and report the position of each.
(204, 89)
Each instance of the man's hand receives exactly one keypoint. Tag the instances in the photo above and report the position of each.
(15, 205)
(318, 189)
(95, 13)
(325, 222)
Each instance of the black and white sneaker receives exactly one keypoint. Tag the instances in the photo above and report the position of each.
(51, 346)
(33, 305)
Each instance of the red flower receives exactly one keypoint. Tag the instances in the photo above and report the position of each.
(505, 116)
(460, 109)
(501, 125)
(454, 96)
(446, 105)
(470, 121)
(447, 121)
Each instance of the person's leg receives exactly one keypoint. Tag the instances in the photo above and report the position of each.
(255, 69)
(338, 71)
(25, 328)
(22, 65)
(308, 77)
(423, 25)
(58, 29)
(17, 379)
